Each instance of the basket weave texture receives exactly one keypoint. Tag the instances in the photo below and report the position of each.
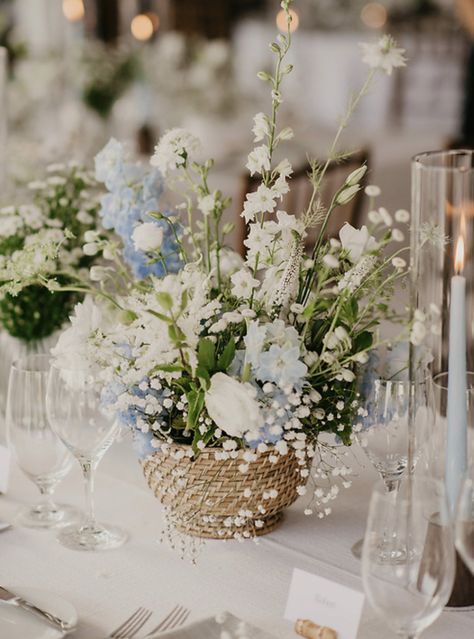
(205, 497)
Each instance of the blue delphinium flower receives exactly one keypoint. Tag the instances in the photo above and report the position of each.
(134, 193)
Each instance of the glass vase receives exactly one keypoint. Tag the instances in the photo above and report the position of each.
(442, 213)
(442, 248)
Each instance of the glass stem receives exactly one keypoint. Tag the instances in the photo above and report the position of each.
(391, 485)
(46, 491)
(88, 473)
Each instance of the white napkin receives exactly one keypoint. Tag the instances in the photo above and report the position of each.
(223, 626)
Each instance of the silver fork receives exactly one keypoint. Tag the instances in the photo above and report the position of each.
(174, 619)
(129, 628)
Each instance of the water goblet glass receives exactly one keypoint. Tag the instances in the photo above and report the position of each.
(36, 448)
(409, 590)
(464, 522)
(88, 428)
(383, 431)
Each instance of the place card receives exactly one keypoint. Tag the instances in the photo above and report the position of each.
(324, 602)
(4, 468)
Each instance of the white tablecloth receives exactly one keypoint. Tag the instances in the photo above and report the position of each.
(249, 580)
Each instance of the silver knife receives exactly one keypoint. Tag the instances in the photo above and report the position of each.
(10, 598)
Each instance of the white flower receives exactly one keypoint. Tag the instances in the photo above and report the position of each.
(331, 261)
(261, 127)
(356, 176)
(72, 350)
(357, 274)
(231, 406)
(261, 201)
(91, 236)
(418, 333)
(258, 160)
(98, 273)
(347, 194)
(398, 262)
(374, 217)
(356, 241)
(147, 237)
(243, 283)
(402, 216)
(284, 168)
(385, 216)
(207, 203)
(397, 235)
(174, 149)
(90, 248)
(286, 133)
(383, 55)
(372, 191)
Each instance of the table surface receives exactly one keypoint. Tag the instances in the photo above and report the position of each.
(248, 579)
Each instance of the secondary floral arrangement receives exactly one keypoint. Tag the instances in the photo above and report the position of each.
(62, 209)
(237, 376)
(189, 75)
(105, 74)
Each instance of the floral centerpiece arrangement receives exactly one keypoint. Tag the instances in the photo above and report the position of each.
(189, 75)
(105, 74)
(237, 376)
(64, 207)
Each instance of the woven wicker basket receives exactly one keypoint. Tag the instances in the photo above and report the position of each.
(205, 497)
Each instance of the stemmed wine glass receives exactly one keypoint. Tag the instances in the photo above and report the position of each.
(37, 450)
(88, 428)
(464, 515)
(464, 523)
(409, 588)
(383, 431)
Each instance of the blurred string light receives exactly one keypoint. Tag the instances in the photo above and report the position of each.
(374, 15)
(144, 25)
(281, 21)
(73, 10)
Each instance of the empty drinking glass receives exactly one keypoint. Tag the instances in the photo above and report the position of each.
(38, 451)
(88, 428)
(383, 428)
(410, 587)
(464, 526)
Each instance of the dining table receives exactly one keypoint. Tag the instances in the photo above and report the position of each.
(249, 579)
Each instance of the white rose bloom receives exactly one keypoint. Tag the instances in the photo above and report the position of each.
(231, 406)
(147, 237)
(356, 241)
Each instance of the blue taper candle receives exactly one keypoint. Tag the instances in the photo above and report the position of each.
(456, 448)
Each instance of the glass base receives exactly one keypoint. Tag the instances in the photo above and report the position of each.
(389, 552)
(96, 537)
(47, 515)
